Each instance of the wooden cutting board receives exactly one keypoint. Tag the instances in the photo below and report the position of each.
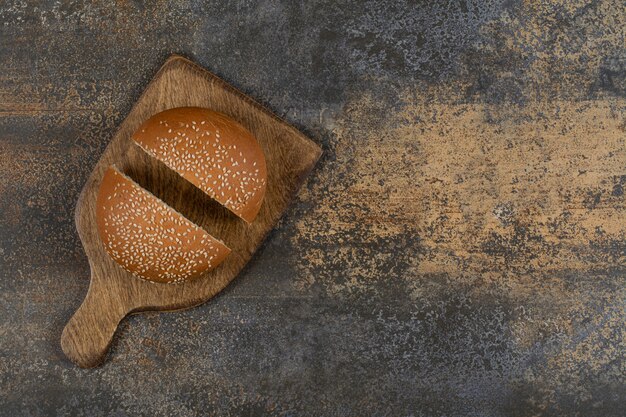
(114, 293)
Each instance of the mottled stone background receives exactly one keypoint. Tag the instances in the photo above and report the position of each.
(460, 249)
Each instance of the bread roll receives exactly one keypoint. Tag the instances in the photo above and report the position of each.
(211, 151)
(148, 238)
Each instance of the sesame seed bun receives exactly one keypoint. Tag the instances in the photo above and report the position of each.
(148, 238)
(213, 152)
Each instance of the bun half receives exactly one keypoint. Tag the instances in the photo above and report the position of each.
(148, 238)
(213, 152)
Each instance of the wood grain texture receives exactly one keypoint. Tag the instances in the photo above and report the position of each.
(113, 292)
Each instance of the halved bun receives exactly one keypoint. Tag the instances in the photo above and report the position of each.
(148, 238)
(213, 152)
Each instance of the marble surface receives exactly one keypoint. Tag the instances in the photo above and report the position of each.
(460, 250)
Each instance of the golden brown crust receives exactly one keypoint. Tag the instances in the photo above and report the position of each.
(148, 238)
(211, 151)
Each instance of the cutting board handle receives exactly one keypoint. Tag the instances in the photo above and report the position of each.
(87, 336)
